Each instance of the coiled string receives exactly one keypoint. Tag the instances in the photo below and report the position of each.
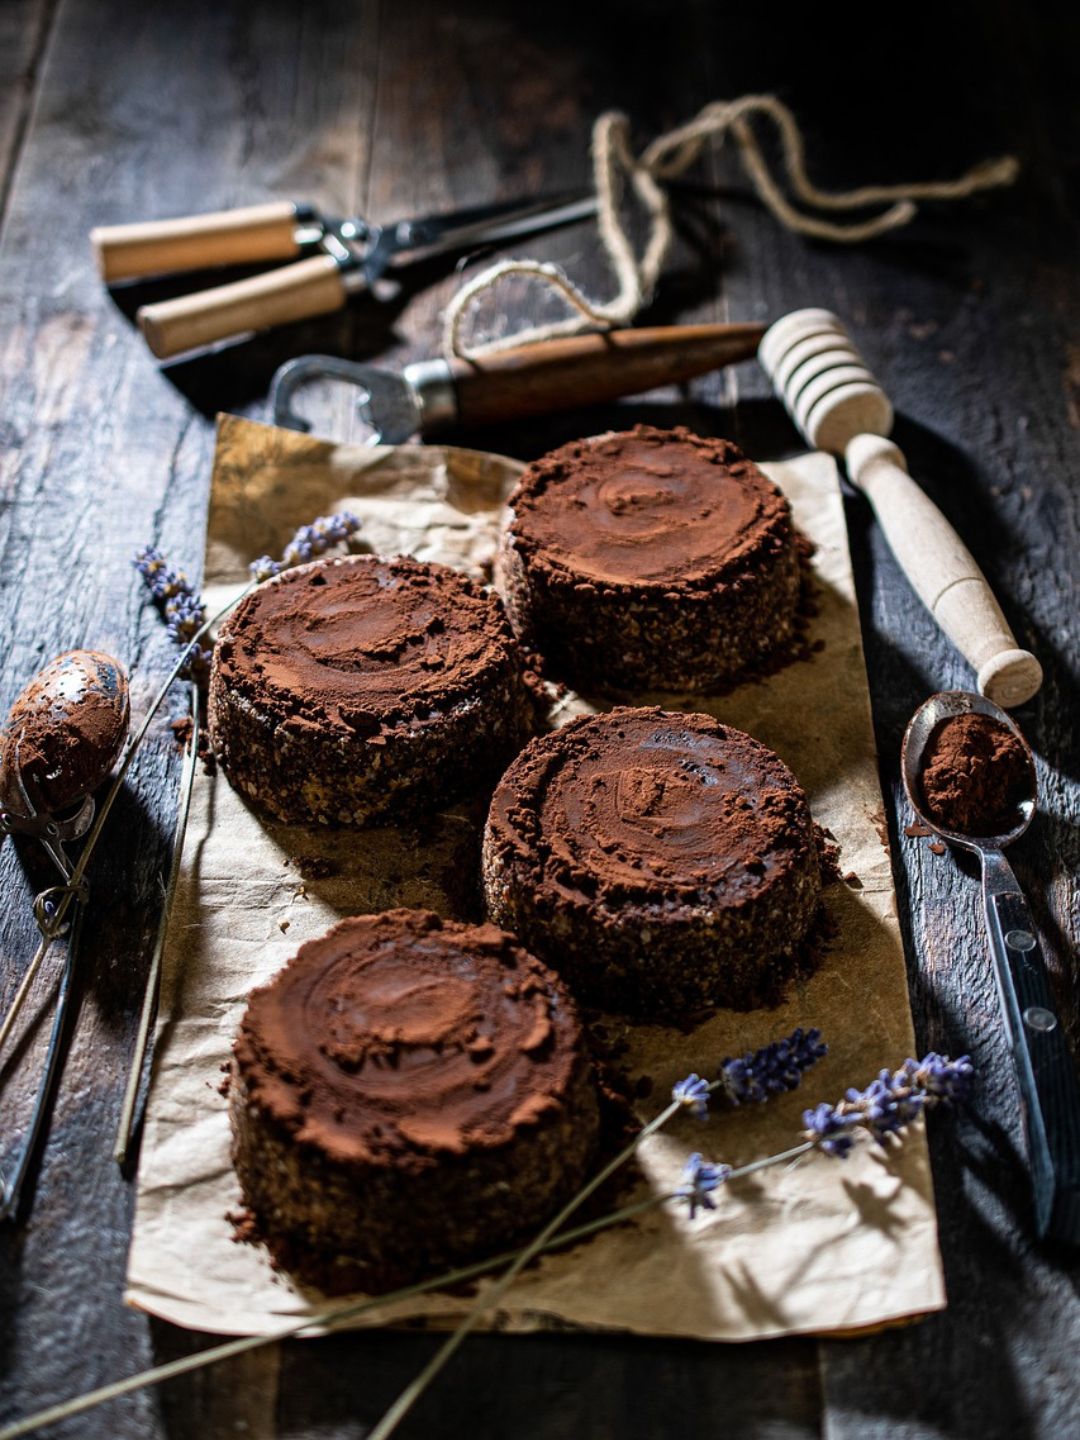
(615, 166)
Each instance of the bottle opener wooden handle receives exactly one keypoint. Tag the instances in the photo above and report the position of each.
(592, 369)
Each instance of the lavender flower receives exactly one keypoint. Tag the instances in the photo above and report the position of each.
(942, 1078)
(693, 1092)
(889, 1104)
(309, 541)
(700, 1179)
(829, 1126)
(773, 1069)
(182, 606)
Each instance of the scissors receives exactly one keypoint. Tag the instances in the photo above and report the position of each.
(333, 259)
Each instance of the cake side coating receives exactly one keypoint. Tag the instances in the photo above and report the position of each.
(358, 689)
(407, 1092)
(660, 861)
(650, 559)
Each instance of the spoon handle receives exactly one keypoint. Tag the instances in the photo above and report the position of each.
(1049, 1089)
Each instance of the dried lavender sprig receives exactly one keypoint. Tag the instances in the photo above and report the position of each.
(758, 1075)
(887, 1106)
(181, 603)
(309, 541)
(890, 1103)
(693, 1092)
(700, 1179)
(947, 1079)
(772, 1070)
(942, 1078)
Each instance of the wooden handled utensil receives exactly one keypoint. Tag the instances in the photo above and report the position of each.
(839, 407)
(509, 384)
(333, 259)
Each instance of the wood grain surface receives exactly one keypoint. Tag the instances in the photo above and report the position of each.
(115, 110)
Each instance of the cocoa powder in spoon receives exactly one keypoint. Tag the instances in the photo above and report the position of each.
(975, 774)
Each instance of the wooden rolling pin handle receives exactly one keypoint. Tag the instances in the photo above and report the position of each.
(166, 247)
(942, 571)
(295, 292)
(591, 369)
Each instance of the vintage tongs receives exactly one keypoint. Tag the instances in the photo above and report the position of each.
(62, 738)
(578, 370)
(1046, 1075)
(340, 258)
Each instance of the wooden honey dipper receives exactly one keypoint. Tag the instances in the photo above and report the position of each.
(839, 407)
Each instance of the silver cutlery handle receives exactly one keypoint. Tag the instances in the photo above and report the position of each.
(1045, 1071)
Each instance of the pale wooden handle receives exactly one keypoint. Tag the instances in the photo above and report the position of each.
(166, 247)
(295, 292)
(943, 572)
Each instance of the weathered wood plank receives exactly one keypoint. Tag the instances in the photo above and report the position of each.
(969, 319)
(24, 31)
(140, 112)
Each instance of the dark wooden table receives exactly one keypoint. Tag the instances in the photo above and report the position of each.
(126, 109)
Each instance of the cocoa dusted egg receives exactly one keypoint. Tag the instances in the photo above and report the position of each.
(64, 732)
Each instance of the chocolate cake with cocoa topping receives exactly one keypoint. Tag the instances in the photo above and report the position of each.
(360, 689)
(650, 560)
(661, 862)
(408, 1093)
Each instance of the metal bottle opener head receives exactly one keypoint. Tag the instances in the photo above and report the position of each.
(395, 405)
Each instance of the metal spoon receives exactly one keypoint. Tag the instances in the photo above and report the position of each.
(60, 741)
(1049, 1090)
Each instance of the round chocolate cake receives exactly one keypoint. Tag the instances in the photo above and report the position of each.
(650, 560)
(356, 690)
(408, 1093)
(660, 862)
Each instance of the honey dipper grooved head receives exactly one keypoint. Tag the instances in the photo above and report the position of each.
(823, 381)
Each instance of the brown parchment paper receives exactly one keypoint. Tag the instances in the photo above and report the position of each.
(822, 1246)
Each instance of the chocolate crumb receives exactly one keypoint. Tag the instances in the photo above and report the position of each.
(182, 729)
(828, 854)
(917, 830)
(315, 867)
(245, 1230)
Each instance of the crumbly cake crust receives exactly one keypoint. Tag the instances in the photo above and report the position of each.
(649, 560)
(357, 690)
(660, 861)
(407, 1093)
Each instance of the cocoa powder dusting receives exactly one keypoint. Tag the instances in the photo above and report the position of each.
(356, 644)
(975, 774)
(648, 806)
(665, 507)
(399, 1034)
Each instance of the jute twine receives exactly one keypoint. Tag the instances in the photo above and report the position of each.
(615, 166)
